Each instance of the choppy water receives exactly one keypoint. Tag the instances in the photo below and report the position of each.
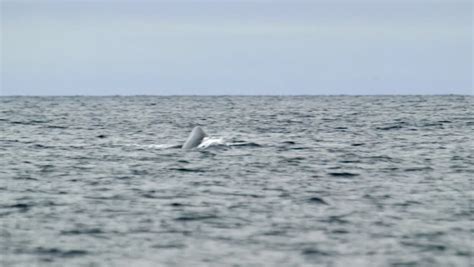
(286, 181)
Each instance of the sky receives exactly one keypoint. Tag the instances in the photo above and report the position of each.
(227, 47)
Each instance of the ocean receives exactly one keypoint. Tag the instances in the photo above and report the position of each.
(279, 181)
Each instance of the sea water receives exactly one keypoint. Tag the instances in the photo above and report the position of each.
(280, 181)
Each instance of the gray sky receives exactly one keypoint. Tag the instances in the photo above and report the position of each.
(236, 47)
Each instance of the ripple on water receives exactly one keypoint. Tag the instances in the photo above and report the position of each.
(343, 174)
(296, 181)
(57, 252)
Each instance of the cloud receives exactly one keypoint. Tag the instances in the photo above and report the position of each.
(246, 47)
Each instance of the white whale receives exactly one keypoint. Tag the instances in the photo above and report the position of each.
(195, 138)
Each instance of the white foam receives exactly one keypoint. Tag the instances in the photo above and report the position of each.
(211, 141)
(161, 146)
(153, 146)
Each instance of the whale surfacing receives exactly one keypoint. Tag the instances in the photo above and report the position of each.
(195, 138)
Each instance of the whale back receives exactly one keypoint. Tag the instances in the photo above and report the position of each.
(195, 138)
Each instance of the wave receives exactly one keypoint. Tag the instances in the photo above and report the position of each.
(208, 142)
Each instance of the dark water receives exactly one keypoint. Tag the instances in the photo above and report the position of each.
(286, 181)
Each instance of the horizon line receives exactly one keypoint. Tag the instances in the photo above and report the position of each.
(217, 95)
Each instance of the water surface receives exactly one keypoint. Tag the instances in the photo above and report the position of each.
(296, 181)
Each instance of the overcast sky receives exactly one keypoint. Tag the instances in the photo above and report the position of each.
(236, 47)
